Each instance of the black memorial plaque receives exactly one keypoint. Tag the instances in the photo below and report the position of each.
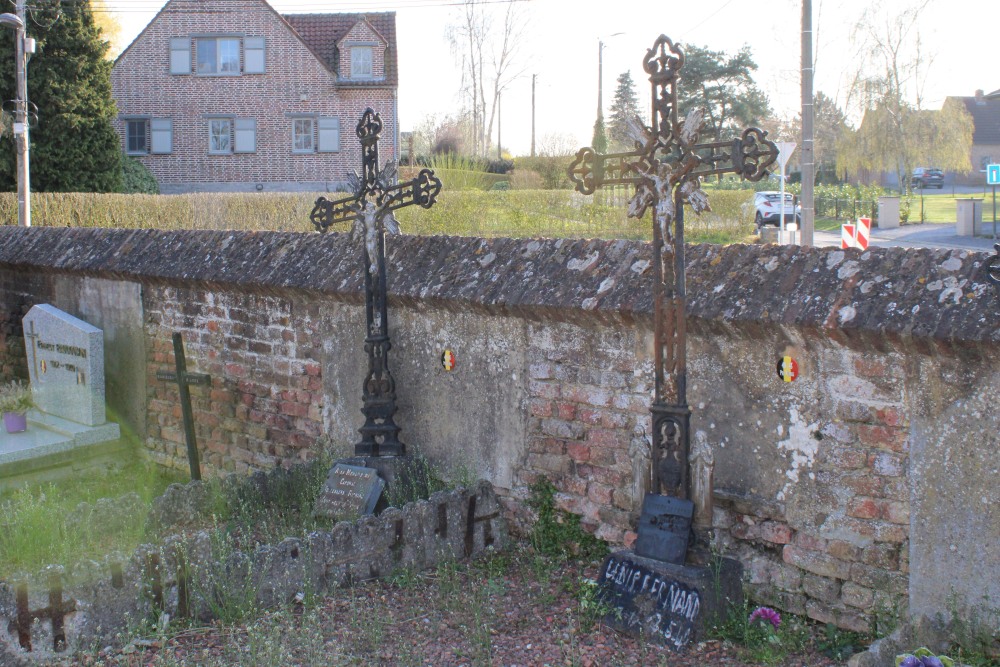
(648, 602)
(664, 528)
(349, 492)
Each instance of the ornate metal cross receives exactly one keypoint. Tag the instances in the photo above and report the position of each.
(666, 168)
(376, 196)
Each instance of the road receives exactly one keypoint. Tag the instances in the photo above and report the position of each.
(926, 235)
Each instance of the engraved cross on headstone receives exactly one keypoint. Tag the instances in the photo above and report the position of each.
(376, 196)
(666, 168)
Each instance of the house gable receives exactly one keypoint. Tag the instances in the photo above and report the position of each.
(259, 106)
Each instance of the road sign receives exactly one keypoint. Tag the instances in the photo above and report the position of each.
(993, 174)
(785, 150)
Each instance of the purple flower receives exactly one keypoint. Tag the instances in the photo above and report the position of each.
(766, 614)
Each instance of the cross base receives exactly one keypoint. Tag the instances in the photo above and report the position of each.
(671, 449)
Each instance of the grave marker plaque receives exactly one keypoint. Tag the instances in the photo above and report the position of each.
(349, 491)
(65, 364)
(664, 528)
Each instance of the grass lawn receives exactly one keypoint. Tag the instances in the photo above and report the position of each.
(41, 525)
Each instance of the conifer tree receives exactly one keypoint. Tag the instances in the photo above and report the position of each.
(624, 107)
(74, 146)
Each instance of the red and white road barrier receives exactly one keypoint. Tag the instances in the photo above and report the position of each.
(856, 235)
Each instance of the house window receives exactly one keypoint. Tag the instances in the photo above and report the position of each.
(218, 55)
(232, 135)
(361, 62)
(303, 135)
(136, 132)
(220, 135)
(145, 136)
(316, 134)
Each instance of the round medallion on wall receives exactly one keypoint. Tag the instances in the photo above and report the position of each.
(448, 360)
(788, 369)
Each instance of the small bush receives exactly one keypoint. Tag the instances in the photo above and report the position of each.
(137, 179)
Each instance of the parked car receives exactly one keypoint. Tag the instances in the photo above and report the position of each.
(927, 177)
(769, 208)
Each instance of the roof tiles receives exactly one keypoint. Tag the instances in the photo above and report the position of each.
(321, 32)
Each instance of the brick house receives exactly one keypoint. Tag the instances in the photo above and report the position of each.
(985, 112)
(229, 95)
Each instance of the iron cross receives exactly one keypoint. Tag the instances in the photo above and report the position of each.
(376, 196)
(666, 168)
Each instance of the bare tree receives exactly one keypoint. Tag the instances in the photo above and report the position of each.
(486, 44)
(896, 132)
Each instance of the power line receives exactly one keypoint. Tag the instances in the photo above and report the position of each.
(141, 7)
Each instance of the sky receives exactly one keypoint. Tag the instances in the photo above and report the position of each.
(560, 47)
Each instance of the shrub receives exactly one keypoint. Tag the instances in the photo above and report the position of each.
(137, 179)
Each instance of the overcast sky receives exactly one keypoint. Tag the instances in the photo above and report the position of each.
(561, 48)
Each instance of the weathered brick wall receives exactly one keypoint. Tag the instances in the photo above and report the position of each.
(294, 82)
(868, 478)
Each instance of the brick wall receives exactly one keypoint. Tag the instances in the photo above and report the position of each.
(295, 82)
(834, 490)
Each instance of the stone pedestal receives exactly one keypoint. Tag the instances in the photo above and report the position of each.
(666, 603)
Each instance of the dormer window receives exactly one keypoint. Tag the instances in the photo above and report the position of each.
(361, 62)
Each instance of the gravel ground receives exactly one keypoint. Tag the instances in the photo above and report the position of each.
(511, 610)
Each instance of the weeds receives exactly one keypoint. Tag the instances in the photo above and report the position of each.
(557, 533)
(766, 641)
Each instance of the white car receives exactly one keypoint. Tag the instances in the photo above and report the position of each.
(769, 208)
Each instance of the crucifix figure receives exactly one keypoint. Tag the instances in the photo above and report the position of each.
(376, 196)
(666, 168)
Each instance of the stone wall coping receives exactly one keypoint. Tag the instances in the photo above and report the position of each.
(917, 294)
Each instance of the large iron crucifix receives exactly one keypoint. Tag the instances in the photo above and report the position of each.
(376, 196)
(666, 168)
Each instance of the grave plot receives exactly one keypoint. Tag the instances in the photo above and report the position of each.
(67, 429)
(237, 545)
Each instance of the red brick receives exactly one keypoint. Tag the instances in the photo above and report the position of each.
(630, 538)
(776, 533)
(312, 369)
(605, 437)
(590, 416)
(600, 493)
(865, 508)
(890, 417)
(870, 368)
(883, 437)
(578, 451)
(566, 410)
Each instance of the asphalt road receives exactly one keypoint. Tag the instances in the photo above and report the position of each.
(926, 235)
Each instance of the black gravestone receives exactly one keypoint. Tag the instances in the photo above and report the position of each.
(664, 528)
(349, 492)
(667, 603)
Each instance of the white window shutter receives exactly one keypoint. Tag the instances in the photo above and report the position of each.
(162, 135)
(329, 134)
(253, 55)
(180, 55)
(245, 130)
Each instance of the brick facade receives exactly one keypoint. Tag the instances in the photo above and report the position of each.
(296, 82)
(865, 484)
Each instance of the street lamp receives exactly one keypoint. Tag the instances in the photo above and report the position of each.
(600, 80)
(25, 47)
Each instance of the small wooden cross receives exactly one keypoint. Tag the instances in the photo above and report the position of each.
(376, 196)
(666, 168)
(184, 379)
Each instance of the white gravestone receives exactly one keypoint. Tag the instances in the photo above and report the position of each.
(66, 365)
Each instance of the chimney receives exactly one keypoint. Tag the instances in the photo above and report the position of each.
(979, 97)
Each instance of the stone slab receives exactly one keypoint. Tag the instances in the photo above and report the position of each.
(349, 492)
(667, 603)
(65, 364)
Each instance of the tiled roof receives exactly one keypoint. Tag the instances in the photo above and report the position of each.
(986, 116)
(321, 32)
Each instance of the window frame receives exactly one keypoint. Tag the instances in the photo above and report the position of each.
(312, 135)
(129, 122)
(356, 48)
(229, 120)
(217, 40)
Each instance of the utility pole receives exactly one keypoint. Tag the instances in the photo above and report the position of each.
(600, 80)
(533, 76)
(499, 148)
(807, 155)
(21, 120)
